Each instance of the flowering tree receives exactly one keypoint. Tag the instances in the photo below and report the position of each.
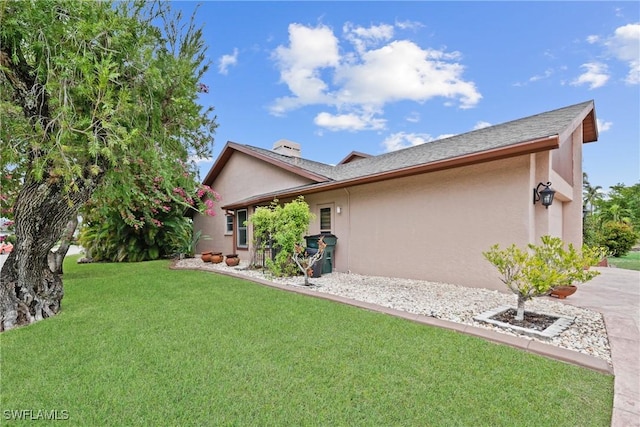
(86, 90)
(146, 221)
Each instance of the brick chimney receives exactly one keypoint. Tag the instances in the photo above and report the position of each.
(287, 148)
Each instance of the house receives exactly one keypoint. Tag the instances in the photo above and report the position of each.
(425, 212)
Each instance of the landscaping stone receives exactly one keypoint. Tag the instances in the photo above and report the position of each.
(587, 334)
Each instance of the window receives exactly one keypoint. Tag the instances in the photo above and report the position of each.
(242, 228)
(229, 229)
(325, 220)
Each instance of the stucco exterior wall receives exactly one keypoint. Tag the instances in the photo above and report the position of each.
(242, 177)
(436, 226)
(432, 226)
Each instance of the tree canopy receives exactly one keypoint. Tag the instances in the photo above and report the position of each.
(88, 90)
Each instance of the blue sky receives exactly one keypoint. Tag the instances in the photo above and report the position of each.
(378, 76)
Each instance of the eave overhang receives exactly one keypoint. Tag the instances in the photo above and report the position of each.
(527, 147)
(232, 147)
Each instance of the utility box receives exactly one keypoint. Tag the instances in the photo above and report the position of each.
(330, 240)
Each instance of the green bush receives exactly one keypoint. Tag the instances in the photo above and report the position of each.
(591, 234)
(112, 239)
(535, 271)
(282, 226)
(618, 237)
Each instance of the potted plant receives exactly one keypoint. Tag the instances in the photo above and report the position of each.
(216, 257)
(232, 260)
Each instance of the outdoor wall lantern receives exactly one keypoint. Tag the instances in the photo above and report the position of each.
(545, 196)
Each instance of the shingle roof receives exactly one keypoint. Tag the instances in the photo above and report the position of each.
(306, 164)
(503, 135)
(495, 138)
(492, 137)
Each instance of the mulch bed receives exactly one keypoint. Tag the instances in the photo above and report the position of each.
(535, 321)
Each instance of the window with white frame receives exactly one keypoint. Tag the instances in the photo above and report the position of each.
(325, 219)
(241, 216)
(229, 226)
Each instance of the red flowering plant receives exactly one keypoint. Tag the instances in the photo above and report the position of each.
(146, 217)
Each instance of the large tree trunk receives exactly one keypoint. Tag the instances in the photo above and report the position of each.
(56, 258)
(29, 289)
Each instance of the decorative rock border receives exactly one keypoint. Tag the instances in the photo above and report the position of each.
(561, 323)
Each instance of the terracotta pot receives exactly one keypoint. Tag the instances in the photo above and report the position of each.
(216, 257)
(232, 260)
(206, 256)
(563, 291)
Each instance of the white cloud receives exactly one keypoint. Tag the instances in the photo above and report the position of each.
(593, 39)
(413, 117)
(198, 160)
(226, 61)
(409, 25)
(365, 37)
(481, 125)
(400, 140)
(319, 71)
(310, 50)
(603, 126)
(625, 46)
(348, 122)
(596, 76)
(547, 73)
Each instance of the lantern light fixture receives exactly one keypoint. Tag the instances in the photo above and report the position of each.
(544, 196)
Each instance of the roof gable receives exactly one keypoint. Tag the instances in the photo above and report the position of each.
(302, 167)
(532, 134)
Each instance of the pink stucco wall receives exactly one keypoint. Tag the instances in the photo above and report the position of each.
(242, 177)
(433, 226)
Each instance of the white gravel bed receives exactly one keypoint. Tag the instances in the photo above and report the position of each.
(454, 303)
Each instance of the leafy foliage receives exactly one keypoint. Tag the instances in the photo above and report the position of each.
(118, 101)
(618, 237)
(534, 272)
(283, 227)
(612, 220)
(148, 222)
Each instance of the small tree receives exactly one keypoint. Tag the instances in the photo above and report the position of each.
(283, 227)
(535, 272)
(305, 261)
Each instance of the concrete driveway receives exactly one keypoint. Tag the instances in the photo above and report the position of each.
(615, 293)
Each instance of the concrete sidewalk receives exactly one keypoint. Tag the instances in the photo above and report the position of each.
(615, 293)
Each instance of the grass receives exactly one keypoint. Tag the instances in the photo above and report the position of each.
(631, 261)
(139, 344)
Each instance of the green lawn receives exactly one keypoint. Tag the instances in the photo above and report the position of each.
(139, 344)
(631, 261)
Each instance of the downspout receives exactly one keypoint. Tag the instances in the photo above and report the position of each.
(346, 190)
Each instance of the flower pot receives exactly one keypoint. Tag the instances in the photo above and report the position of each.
(206, 256)
(217, 257)
(232, 260)
(562, 292)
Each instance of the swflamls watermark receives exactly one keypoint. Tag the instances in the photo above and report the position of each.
(36, 414)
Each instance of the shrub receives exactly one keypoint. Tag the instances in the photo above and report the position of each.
(536, 271)
(282, 226)
(618, 237)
